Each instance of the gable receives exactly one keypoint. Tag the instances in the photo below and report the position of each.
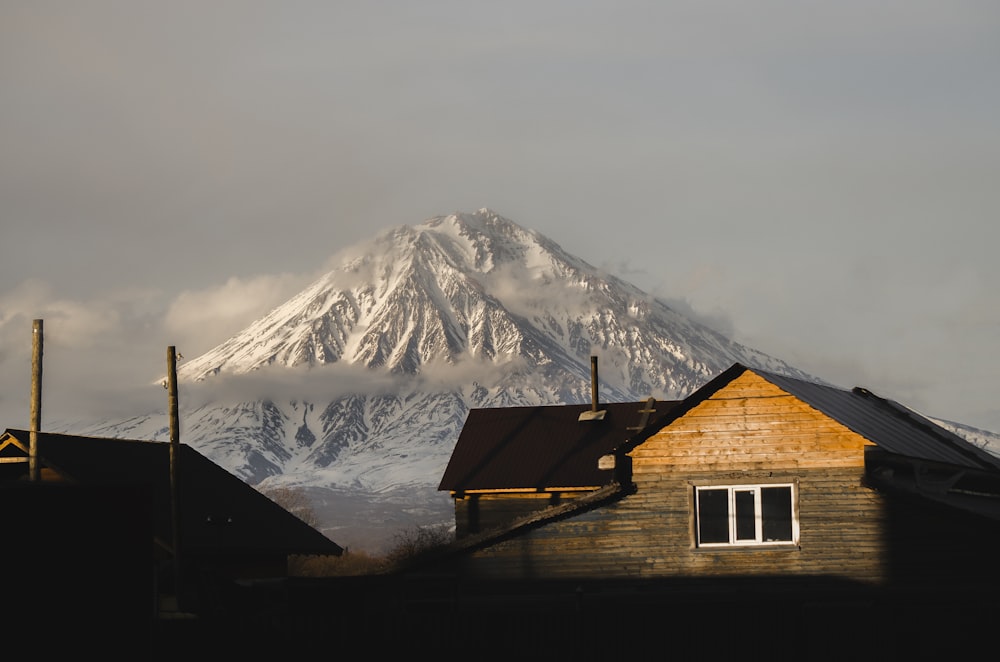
(749, 423)
(13, 457)
(11, 447)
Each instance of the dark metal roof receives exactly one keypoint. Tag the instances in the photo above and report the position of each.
(547, 446)
(886, 423)
(219, 513)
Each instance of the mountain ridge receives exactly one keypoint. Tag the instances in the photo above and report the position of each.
(453, 275)
(359, 384)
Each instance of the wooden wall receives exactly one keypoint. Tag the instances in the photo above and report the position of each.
(751, 432)
(650, 534)
(749, 425)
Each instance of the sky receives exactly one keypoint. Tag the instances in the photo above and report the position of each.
(817, 180)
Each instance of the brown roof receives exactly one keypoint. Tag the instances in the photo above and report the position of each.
(219, 512)
(542, 447)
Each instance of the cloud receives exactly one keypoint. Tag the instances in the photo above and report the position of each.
(330, 381)
(741, 158)
(94, 352)
(717, 319)
(101, 355)
(529, 291)
(76, 324)
(201, 319)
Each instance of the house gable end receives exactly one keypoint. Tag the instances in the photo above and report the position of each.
(11, 447)
(749, 424)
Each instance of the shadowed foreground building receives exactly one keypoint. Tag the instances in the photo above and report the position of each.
(762, 517)
(91, 544)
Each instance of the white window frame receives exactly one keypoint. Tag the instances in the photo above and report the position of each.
(755, 490)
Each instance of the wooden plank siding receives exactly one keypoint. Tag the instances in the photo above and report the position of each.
(650, 534)
(749, 432)
(748, 425)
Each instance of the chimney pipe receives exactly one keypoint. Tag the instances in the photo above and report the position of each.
(593, 383)
(36, 399)
(593, 414)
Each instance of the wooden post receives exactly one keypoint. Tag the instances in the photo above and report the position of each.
(174, 465)
(36, 399)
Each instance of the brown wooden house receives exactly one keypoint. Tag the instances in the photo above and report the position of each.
(228, 531)
(754, 477)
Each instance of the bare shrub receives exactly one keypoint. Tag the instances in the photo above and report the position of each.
(408, 545)
(347, 564)
(419, 541)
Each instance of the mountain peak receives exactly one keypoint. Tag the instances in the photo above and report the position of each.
(379, 360)
(479, 286)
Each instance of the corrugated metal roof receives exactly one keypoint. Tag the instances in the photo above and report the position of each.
(541, 447)
(886, 423)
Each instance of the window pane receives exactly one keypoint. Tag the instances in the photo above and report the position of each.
(713, 516)
(746, 527)
(776, 507)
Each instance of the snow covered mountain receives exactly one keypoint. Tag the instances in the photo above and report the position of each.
(464, 310)
(477, 286)
(356, 388)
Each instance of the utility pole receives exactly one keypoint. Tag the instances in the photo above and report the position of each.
(36, 399)
(174, 465)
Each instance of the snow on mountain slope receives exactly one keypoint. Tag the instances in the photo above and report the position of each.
(467, 310)
(359, 385)
(478, 286)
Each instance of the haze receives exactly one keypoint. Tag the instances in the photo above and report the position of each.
(815, 180)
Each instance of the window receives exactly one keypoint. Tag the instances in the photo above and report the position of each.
(745, 515)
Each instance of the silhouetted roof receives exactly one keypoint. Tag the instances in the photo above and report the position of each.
(219, 513)
(546, 446)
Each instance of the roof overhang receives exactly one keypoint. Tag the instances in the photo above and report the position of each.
(954, 486)
(527, 490)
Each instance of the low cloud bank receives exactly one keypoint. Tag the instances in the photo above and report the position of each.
(328, 382)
